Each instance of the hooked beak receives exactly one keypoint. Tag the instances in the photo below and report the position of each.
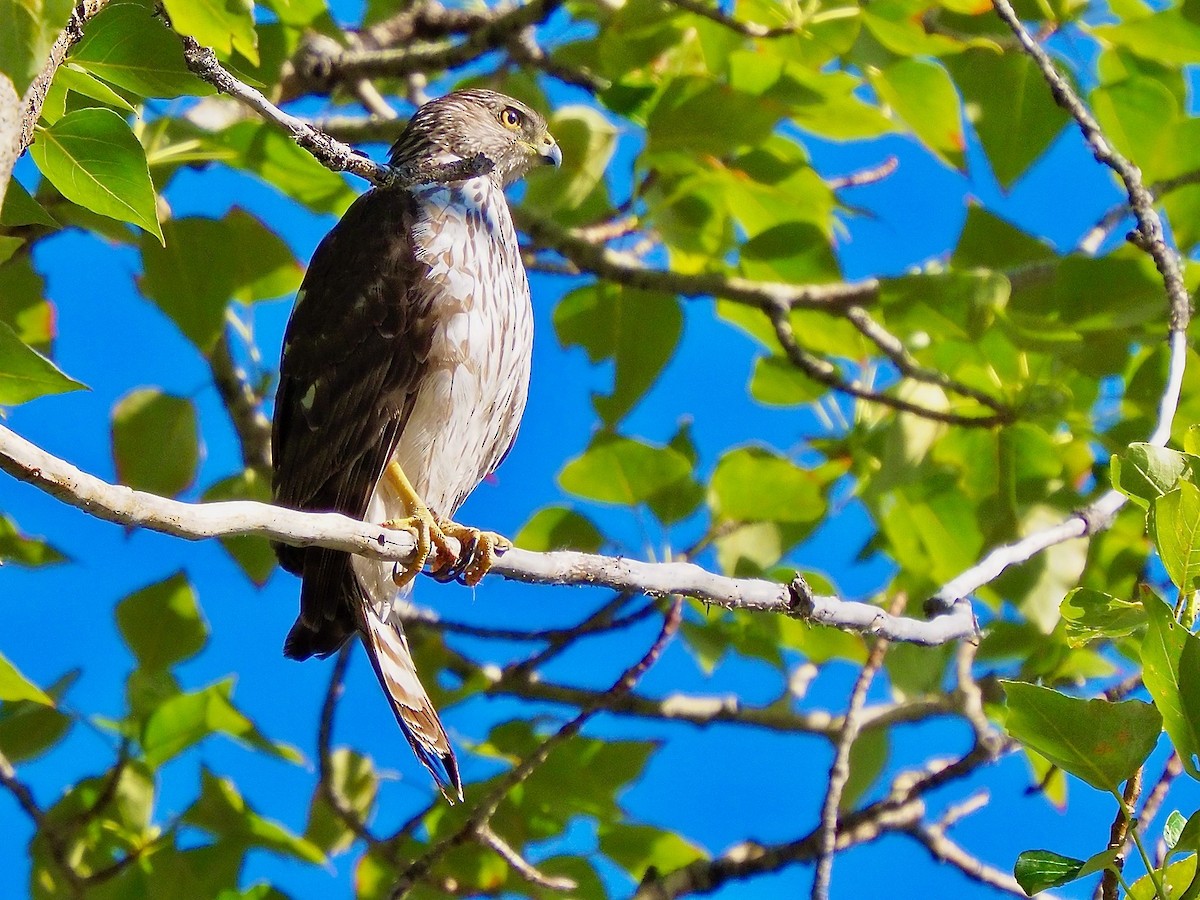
(549, 152)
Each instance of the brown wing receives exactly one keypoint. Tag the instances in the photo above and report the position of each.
(352, 357)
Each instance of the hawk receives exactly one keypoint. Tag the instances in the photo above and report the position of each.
(404, 374)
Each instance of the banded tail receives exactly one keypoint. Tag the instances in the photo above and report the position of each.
(388, 650)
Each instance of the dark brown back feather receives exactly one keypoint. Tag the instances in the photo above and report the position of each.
(352, 356)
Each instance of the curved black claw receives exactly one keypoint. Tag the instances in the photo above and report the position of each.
(457, 570)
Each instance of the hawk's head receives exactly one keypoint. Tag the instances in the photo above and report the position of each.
(465, 123)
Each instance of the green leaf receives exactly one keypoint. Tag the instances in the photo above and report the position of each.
(640, 848)
(26, 374)
(1173, 829)
(92, 157)
(1144, 472)
(1168, 37)
(639, 330)
(222, 811)
(29, 728)
(1006, 100)
(25, 551)
(1175, 879)
(274, 157)
(155, 442)
(1176, 526)
(1039, 870)
(204, 263)
(75, 78)
(1100, 742)
(188, 718)
(1171, 671)
(15, 687)
(252, 553)
(126, 45)
(1092, 614)
(923, 95)
(21, 209)
(224, 25)
(30, 29)
(559, 528)
(587, 140)
(162, 623)
(776, 382)
(23, 303)
(621, 470)
(868, 758)
(354, 780)
(752, 484)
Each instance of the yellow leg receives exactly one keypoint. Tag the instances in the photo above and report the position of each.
(478, 550)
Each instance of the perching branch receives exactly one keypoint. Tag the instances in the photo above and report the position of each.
(195, 521)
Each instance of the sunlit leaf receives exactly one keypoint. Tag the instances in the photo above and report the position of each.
(25, 551)
(221, 810)
(1171, 670)
(1176, 528)
(26, 374)
(253, 554)
(15, 687)
(30, 28)
(559, 528)
(224, 25)
(94, 159)
(354, 781)
(126, 45)
(622, 470)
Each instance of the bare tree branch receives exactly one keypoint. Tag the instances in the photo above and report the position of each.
(749, 29)
(520, 864)
(250, 423)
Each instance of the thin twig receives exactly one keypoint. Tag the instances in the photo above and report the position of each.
(749, 29)
(839, 772)
(521, 865)
(862, 177)
(824, 372)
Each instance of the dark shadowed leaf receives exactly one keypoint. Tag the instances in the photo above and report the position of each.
(355, 781)
(154, 441)
(1100, 742)
(1171, 671)
(252, 553)
(94, 159)
(29, 728)
(21, 209)
(162, 623)
(26, 374)
(25, 551)
(222, 811)
(1007, 102)
(637, 329)
(559, 528)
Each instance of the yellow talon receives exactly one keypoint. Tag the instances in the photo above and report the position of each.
(419, 528)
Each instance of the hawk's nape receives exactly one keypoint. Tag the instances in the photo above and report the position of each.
(403, 378)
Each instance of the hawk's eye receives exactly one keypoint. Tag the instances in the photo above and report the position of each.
(510, 118)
